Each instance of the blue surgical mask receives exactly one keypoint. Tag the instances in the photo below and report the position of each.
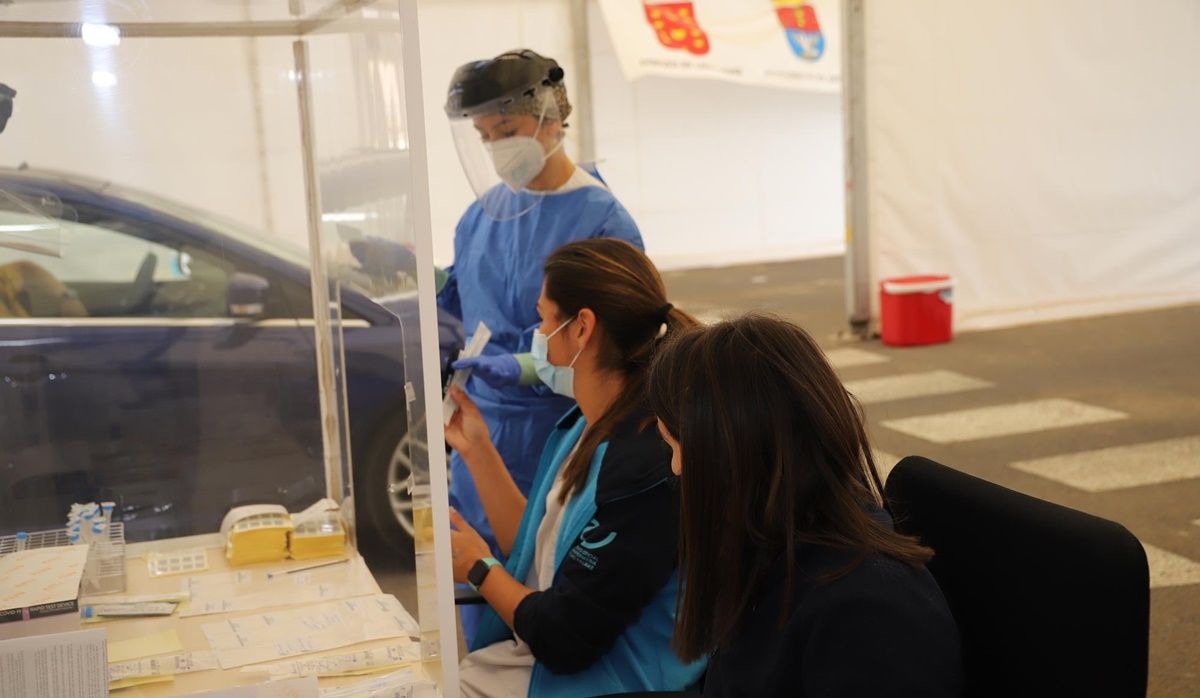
(560, 379)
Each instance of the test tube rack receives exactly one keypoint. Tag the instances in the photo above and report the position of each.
(105, 569)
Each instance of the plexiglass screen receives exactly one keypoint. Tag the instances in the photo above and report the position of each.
(207, 268)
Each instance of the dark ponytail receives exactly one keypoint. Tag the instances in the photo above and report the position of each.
(618, 283)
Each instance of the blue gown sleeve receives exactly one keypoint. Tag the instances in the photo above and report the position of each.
(448, 298)
(619, 224)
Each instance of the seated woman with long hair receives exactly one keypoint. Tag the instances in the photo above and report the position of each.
(795, 582)
(585, 604)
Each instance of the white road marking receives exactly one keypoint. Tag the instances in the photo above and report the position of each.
(1002, 420)
(1120, 467)
(871, 391)
(847, 357)
(1170, 570)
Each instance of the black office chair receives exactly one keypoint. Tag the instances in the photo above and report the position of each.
(1049, 601)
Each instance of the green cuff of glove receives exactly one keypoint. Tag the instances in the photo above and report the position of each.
(440, 277)
(529, 374)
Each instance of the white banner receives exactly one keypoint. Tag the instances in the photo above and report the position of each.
(790, 44)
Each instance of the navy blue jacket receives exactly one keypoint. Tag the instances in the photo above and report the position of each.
(884, 629)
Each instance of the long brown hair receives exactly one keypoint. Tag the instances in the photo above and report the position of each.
(774, 453)
(623, 288)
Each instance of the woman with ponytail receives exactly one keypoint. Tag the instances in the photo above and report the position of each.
(586, 603)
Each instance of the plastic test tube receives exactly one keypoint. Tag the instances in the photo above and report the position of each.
(108, 511)
(22, 540)
(89, 522)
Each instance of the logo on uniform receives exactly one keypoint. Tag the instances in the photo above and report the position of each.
(582, 552)
(590, 545)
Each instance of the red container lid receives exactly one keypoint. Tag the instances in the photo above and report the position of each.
(925, 283)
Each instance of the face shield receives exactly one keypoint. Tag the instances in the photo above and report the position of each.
(506, 117)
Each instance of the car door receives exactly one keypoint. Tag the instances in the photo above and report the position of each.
(123, 377)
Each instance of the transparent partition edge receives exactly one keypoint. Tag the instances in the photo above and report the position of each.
(439, 497)
(327, 317)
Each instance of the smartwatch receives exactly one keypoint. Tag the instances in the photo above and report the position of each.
(479, 571)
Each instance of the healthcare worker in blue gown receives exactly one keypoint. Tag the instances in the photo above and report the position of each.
(509, 115)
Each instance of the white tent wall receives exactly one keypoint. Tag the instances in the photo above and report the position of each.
(714, 173)
(235, 96)
(1044, 153)
(717, 173)
(74, 125)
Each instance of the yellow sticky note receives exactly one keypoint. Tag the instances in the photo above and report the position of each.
(166, 642)
(138, 681)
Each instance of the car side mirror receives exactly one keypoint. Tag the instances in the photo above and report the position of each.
(247, 295)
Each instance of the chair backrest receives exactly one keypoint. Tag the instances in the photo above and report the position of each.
(1049, 601)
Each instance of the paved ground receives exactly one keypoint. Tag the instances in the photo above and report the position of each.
(1051, 392)
(1078, 386)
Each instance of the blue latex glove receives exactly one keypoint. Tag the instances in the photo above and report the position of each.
(497, 370)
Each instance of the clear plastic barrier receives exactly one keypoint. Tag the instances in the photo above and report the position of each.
(208, 276)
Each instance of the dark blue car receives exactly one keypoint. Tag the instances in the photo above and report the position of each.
(159, 357)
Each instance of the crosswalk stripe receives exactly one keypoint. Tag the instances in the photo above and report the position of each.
(872, 391)
(1120, 467)
(1170, 570)
(848, 357)
(1002, 420)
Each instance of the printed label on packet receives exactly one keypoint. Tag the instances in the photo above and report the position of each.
(170, 665)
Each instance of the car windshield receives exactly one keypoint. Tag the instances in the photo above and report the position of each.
(241, 233)
(383, 278)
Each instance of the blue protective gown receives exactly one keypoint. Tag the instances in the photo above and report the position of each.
(497, 278)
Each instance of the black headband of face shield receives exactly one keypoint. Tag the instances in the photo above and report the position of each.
(510, 75)
(6, 104)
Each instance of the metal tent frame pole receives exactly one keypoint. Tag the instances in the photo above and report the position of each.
(582, 94)
(854, 115)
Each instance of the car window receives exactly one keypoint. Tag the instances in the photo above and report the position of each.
(102, 269)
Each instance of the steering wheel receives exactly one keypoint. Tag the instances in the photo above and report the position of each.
(142, 289)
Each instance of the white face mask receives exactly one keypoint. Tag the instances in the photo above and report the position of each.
(518, 160)
(560, 379)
